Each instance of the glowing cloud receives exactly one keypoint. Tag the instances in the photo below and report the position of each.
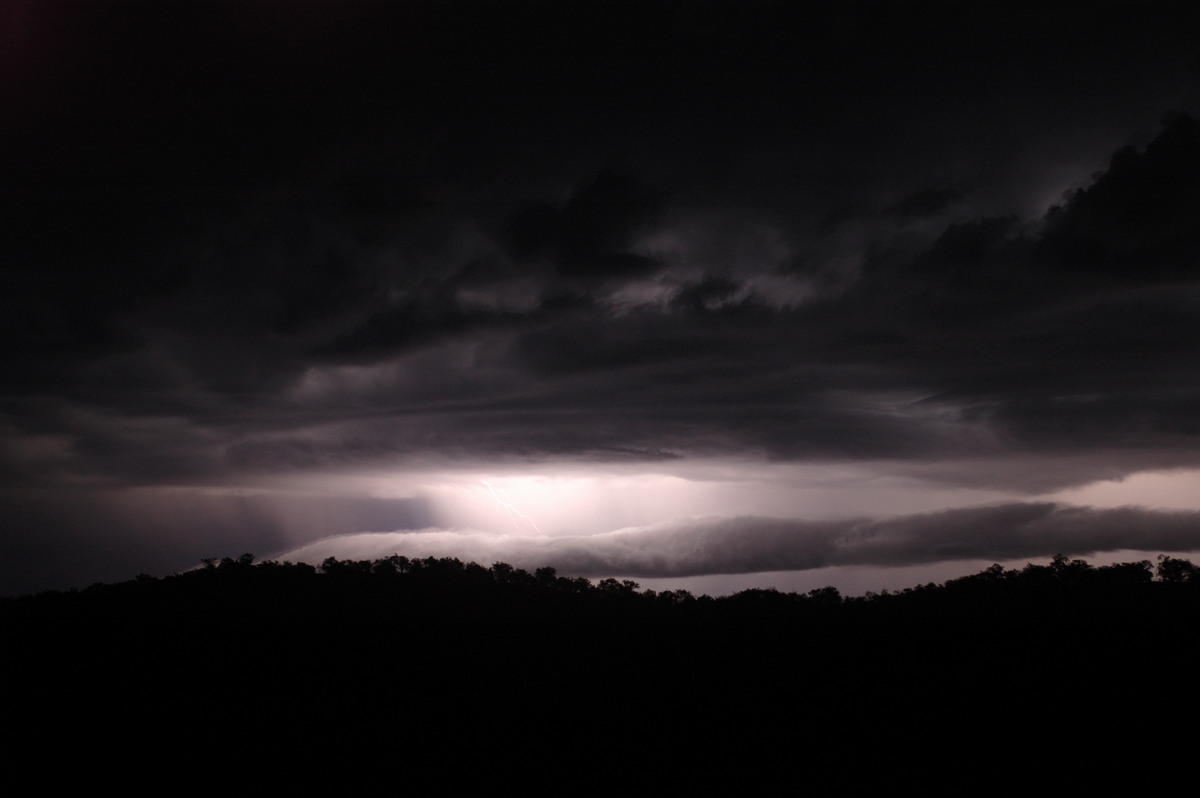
(748, 544)
(504, 502)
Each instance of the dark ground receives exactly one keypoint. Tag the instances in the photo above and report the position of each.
(437, 676)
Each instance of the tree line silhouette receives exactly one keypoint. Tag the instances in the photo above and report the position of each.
(239, 661)
(404, 590)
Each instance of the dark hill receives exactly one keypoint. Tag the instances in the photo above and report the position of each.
(275, 665)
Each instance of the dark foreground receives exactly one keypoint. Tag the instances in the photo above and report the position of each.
(445, 678)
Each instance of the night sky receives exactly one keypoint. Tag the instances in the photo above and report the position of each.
(703, 294)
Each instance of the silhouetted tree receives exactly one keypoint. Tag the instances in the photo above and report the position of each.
(1176, 570)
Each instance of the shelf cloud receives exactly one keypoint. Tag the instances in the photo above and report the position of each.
(747, 544)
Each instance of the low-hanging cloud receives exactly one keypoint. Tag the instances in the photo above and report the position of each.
(748, 544)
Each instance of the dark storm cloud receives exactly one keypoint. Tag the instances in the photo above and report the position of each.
(403, 326)
(249, 237)
(982, 340)
(926, 202)
(692, 547)
(708, 294)
(591, 234)
(1137, 222)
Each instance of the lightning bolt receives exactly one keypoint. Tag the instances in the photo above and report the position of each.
(504, 502)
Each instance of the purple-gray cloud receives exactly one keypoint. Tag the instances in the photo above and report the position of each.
(245, 244)
(747, 544)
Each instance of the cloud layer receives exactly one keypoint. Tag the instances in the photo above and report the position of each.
(588, 328)
(249, 244)
(747, 544)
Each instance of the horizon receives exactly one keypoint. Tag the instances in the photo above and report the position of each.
(808, 583)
